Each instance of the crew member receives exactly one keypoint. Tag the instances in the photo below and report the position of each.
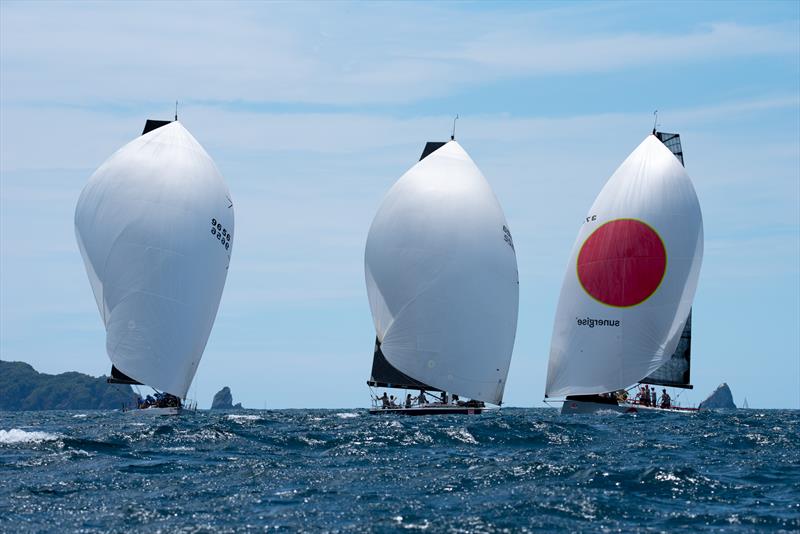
(666, 401)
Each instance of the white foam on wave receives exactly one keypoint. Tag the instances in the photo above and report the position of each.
(180, 449)
(79, 416)
(346, 415)
(461, 434)
(17, 435)
(242, 417)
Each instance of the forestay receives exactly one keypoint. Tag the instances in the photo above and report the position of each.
(155, 228)
(442, 280)
(631, 277)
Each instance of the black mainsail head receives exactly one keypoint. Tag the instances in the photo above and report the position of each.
(673, 142)
(431, 147)
(153, 124)
(675, 372)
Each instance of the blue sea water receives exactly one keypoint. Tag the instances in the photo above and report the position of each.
(346, 471)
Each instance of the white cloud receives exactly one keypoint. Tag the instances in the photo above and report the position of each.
(328, 53)
(520, 50)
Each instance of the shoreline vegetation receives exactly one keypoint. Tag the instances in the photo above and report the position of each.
(23, 388)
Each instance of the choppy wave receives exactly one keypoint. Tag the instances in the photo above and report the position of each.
(243, 417)
(346, 471)
(17, 435)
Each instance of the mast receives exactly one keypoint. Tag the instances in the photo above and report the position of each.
(676, 371)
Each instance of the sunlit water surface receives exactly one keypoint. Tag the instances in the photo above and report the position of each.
(344, 470)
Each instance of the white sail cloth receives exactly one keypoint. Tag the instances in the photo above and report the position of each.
(442, 279)
(625, 297)
(156, 264)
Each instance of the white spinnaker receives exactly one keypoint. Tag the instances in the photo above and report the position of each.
(144, 228)
(442, 277)
(650, 186)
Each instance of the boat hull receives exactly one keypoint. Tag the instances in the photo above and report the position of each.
(428, 410)
(587, 407)
(154, 411)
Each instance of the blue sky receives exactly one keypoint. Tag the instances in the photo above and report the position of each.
(313, 110)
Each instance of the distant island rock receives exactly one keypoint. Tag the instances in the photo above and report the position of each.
(721, 399)
(24, 388)
(223, 400)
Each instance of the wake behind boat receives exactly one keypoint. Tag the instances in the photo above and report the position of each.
(154, 226)
(441, 274)
(624, 314)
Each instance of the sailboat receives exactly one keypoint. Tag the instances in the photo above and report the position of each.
(155, 228)
(624, 313)
(443, 287)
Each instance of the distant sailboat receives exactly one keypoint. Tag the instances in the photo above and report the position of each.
(441, 274)
(624, 315)
(154, 225)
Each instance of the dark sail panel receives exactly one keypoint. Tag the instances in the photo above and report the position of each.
(673, 143)
(118, 377)
(430, 148)
(675, 371)
(151, 125)
(385, 375)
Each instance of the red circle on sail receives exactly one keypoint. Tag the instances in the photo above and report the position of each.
(622, 263)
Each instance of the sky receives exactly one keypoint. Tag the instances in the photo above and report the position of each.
(313, 110)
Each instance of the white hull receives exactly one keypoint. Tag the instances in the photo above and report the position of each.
(154, 411)
(584, 407)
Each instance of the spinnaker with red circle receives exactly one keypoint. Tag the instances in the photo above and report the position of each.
(631, 278)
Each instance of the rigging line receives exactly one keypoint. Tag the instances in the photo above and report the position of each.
(453, 135)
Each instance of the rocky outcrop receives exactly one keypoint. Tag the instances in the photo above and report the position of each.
(223, 400)
(721, 399)
(24, 388)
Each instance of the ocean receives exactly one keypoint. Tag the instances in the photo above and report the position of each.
(515, 470)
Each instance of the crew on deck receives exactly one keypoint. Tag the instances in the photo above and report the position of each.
(666, 400)
(161, 400)
(647, 396)
(386, 401)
